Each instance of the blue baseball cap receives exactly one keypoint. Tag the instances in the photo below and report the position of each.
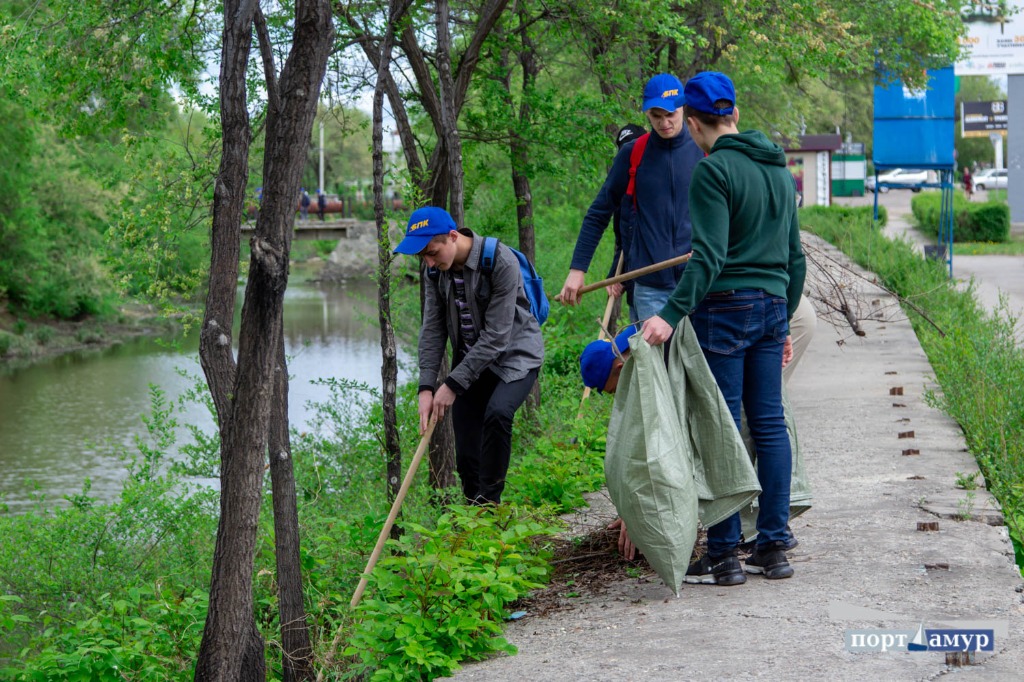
(706, 88)
(424, 224)
(597, 358)
(664, 91)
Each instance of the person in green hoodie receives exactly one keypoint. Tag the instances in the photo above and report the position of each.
(740, 288)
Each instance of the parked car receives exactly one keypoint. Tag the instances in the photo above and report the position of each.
(898, 176)
(990, 178)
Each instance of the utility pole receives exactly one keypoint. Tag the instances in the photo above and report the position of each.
(322, 188)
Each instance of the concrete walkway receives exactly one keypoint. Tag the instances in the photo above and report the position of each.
(881, 463)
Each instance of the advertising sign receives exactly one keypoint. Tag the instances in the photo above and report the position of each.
(995, 38)
(979, 119)
(915, 128)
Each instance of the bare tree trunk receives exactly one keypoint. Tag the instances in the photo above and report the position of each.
(232, 648)
(296, 652)
(442, 447)
(389, 365)
(519, 152)
(449, 115)
(231, 642)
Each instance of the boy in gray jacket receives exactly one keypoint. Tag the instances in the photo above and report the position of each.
(496, 342)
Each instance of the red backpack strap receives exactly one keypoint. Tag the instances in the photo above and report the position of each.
(635, 155)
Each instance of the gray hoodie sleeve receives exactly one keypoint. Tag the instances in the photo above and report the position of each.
(433, 337)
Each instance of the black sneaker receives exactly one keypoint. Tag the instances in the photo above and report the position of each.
(790, 543)
(770, 560)
(724, 570)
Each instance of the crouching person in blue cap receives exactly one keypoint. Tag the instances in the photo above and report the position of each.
(600, 366)
(497, 349)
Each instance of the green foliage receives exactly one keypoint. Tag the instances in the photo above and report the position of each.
(43, 335)
(973, 221)
(967, 481)
(442, 596)
(49, 227)
(101, 585)
(5, 343)
(89, 335)
(817, 214)
(149, 633)
(977, 360)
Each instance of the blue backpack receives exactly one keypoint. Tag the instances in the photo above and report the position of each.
(532, 282)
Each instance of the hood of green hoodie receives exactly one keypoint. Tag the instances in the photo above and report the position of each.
(754, 144)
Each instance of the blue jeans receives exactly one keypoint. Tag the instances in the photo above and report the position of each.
(647, 301)
(742, 333)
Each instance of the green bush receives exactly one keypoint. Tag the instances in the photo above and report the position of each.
(43, 335)
(5, 343)
(442, 595)
(973, 221)
(89, 335)
(147, 634)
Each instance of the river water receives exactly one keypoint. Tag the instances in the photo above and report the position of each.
(67, 419)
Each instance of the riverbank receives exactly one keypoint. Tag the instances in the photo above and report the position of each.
(24, 341)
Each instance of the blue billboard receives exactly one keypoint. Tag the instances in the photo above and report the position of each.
(915, 128)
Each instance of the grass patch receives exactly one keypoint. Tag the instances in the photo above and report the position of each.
(1013, 247)
(977, 364)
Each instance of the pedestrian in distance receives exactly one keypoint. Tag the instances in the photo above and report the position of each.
(496, 343)
(968, 182)
(321, 203)
(739, 289)
(661, 220)
(304, 202)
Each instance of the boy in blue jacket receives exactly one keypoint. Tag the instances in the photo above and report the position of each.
(661, 228)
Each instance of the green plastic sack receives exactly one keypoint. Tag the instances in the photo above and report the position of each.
(726, 479)
(648, 465)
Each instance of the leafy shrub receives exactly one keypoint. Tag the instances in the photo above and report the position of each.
(147, 634)
(973, 221)
(43, 335)
(5, 343)
(441, 597)
(990, 223)
(89, 335)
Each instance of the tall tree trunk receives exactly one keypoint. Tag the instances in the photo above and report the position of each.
(232, 648)
(296, 652)
(449, 114)
(519, 151)
(231, 642)
(389, 364)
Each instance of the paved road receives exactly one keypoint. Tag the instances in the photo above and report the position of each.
(861, 564)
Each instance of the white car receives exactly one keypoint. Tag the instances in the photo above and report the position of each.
(990, 178)
(898, 176)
